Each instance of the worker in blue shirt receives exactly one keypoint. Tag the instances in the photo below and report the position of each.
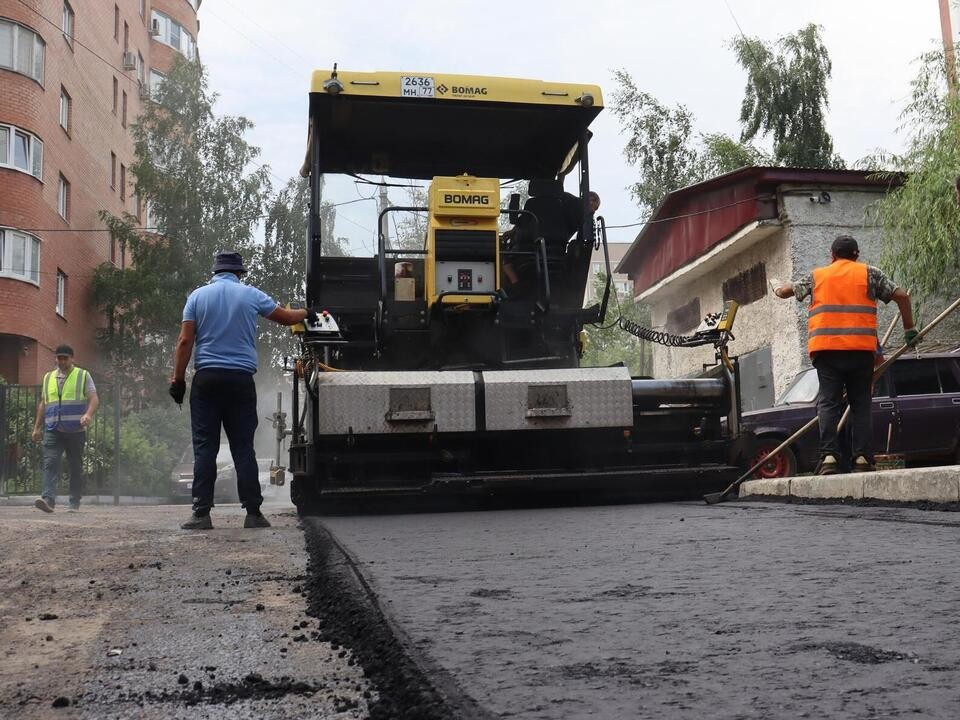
(219, 330)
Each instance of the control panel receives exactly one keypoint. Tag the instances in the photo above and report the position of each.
(466, 276)
(326, 326)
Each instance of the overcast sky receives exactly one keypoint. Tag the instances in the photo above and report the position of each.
(260, 55)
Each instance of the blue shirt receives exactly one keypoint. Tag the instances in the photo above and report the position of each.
(225, 312)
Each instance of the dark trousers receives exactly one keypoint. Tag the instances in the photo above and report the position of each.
(55, 444)
(227, 399)
(850, 371)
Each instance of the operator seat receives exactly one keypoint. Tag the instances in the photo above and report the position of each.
(558, 216)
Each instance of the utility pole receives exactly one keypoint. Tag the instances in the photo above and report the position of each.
(382, 204)
(948, 52)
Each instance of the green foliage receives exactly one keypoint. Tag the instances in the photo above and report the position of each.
(921, 217)
(410, 227)
(192, 169)
(607, 344)
(151, 443)
(663, 145)
(786, 96)
(277, 265)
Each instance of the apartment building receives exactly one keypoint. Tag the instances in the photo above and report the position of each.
(74, 75)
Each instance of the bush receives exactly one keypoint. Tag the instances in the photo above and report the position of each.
(151, 442)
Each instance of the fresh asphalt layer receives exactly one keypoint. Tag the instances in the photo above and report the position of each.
(740, 610)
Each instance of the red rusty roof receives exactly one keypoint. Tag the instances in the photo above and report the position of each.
(691, 220)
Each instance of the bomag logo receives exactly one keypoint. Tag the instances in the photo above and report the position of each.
(468, 91)
(457, 199)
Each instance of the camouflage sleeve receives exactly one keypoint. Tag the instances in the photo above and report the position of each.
(803, 287)
(879, 286)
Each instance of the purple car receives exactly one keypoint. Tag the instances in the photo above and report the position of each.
(916, 412)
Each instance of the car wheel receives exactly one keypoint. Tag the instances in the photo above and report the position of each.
(783, 464)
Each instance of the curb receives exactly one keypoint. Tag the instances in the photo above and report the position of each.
(931, 484)
(92, 500)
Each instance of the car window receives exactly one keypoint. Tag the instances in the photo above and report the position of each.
(882, 387)
(948, 376)
(803, 389)
(915, 377)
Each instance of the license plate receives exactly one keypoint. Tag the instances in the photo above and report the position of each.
(411, 86)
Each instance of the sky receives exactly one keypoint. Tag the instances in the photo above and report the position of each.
(259, 56)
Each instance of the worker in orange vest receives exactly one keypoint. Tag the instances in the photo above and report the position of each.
(842, 341)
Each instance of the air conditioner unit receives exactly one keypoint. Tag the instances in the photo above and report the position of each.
(129, 61)
(154, 27)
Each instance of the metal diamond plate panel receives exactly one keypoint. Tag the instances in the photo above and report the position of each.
(593, 397)
(362, 401)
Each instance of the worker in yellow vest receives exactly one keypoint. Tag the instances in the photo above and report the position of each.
(68, 400)
(842, 341)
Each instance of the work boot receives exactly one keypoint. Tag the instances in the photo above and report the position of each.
(74, 507)
(256, 520)
(198, 522)
(42, 504)
(861, 464)
(829, 466)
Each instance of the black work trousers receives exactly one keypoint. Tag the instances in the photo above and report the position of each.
(227, 399)
(850, 371)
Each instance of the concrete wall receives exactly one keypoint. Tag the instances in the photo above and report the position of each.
(799, 245)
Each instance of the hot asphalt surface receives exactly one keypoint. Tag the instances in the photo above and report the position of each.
(676, 610)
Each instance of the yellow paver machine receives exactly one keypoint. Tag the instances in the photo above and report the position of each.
(453, 367)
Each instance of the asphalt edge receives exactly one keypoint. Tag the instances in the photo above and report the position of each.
(335, 578)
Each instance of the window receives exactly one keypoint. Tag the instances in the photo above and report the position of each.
(140, 69)
(126, 37)
(116, 92)
(156, 80)
(138, 206)
(116, 23)
(915, 377)
(143, 8)
(113, 171)
(19, 255)
(64, 109)
(21, 50)
(61, 292)
(21, 150)
(123, 181)
(68, 18)
(685, 317)
(174, 35)
(747, 287)
(63, 197)
(123, 109)
(948, 376)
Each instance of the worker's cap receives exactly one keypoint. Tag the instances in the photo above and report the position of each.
(64, 351)
(845, 246)
(228, 262)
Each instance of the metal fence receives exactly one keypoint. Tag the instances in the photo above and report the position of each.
(21, 462)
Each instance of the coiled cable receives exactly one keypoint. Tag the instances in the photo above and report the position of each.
(656, 336)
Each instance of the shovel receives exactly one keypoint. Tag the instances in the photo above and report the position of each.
(714, 498)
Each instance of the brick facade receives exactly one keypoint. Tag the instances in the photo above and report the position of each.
(30, 326)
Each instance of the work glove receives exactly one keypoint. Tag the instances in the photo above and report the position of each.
(178, 388)
(911, 336)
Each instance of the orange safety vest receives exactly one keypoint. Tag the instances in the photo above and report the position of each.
(842, 316)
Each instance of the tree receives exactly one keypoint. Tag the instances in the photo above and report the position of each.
(278, 265)
(921, 217)
(667, 151)
(192, 170)
(607, 344)
(786, 96)
(410, 227)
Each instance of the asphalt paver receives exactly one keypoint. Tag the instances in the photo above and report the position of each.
(675, 610)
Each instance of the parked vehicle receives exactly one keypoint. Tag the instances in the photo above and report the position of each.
(181, 478)
(916, 413)
(227, 475)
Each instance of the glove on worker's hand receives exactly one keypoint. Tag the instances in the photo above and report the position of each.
(911, 336)
(178, 388)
